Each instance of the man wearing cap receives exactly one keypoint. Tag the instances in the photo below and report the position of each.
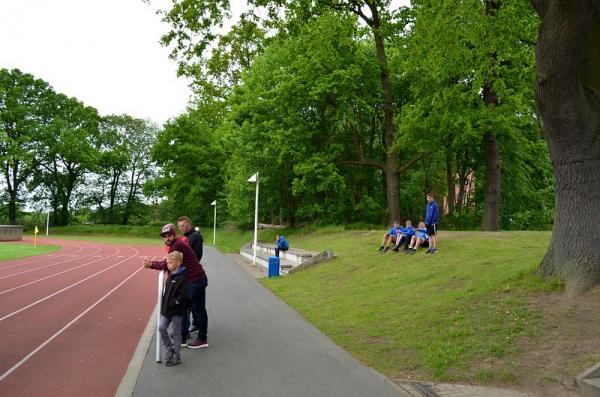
(196, 284)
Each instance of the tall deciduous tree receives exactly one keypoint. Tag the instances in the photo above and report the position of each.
(68, 149)
(23, 99)
(568, 97)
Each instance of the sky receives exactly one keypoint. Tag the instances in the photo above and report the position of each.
(106, 53)
(103, 52)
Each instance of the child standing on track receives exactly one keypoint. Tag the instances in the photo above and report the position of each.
(173, 308)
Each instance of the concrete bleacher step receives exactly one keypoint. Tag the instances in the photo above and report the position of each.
(590, 387)
(589, 381)
(289, 261)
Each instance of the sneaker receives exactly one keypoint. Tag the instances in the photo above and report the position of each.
(197, 344)
(184, 344)
(386, 249)
(434, 251)
(193, 329)
(380, 249)
(429, 251)
(395, 249)
(412, 251)
(172, 361)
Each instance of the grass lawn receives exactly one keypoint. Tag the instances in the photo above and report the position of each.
(422, 316)
(21, 250)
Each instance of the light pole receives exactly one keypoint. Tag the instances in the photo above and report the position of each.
(214, 203)
(254, 179)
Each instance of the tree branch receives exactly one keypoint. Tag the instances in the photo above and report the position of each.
(412, 161)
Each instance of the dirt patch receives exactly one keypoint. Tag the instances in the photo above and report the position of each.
(568, 344)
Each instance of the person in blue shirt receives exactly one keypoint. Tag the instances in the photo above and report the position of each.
(281, 244)
(389, 238)
(431, 221)
(406, 234)
(420, 239)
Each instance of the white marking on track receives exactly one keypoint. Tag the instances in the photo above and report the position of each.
(40, 347)
(59, 273)
(62, 290)
(47, 266)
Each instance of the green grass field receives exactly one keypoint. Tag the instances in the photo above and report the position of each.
(435, 316)
(21, 250)
(429, 316)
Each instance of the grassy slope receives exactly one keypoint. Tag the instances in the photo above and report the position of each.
(407, 316)
(18, 250)
(422, 315)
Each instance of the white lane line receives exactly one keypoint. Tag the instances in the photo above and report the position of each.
(63, 290)
(50, 265)
(42, 257)
(59, 273)
(40, 347)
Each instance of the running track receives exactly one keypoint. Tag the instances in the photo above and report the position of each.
(71, 320)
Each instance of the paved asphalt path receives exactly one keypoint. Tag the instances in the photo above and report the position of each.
(259, 346)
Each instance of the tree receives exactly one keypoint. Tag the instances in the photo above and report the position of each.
(473, 62)
(190, 158)
(67, 149)
(568, 98)
(22, 101)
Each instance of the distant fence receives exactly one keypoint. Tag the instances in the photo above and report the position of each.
(11, 232)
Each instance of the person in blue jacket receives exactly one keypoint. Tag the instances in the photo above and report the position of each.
(406, 234)
(431, 221)
(389, 238)
(420, 239)
(281, 244)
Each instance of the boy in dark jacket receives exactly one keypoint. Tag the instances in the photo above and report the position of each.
(173, 307)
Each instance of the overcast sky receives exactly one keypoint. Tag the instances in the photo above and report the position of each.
(103, 52)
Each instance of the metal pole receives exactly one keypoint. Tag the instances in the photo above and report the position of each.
(255, 221)
(215, 225)
(161, 280)
(47, 223)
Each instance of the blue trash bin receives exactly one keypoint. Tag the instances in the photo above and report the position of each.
(273, 266)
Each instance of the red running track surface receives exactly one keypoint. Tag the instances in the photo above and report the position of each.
(71, 320)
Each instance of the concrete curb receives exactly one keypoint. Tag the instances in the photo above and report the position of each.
(129, 380)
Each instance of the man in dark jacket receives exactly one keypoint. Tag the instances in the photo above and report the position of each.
(196, 285)
(195, 239)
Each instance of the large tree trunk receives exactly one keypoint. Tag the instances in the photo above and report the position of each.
(491, 206)
(391, 161)
(568, 97)
(491, 201)
(450, 183)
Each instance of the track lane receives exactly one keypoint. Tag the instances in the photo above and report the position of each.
(103, 337)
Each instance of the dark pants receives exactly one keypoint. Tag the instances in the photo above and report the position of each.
(405, 240)
(196, 294)
(277, 251)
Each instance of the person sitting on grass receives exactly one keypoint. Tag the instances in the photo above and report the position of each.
(173, 308)
(406, 234)
(389, 238)
(420, 239)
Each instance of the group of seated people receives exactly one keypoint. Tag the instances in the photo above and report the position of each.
(408, 236)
